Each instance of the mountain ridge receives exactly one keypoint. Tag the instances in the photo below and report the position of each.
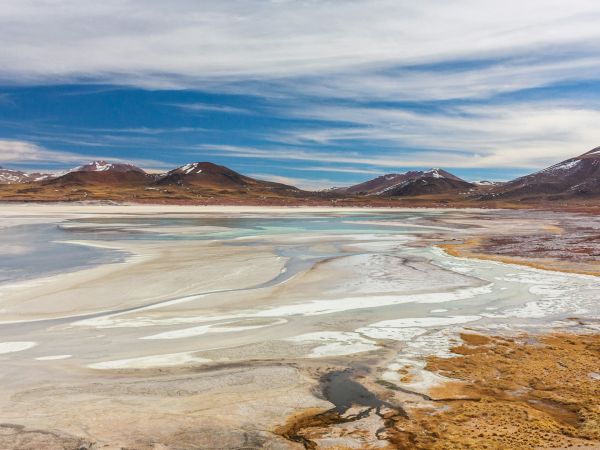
(414, 182)
(574, 179)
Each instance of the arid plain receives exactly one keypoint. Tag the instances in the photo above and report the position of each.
(183, 327)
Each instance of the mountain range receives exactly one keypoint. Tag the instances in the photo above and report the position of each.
(574, 179)
(10, 176)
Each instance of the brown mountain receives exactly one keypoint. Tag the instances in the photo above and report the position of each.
(413, 183)
(206, 175)
(577, 177)
(103, 173)
(10, 176)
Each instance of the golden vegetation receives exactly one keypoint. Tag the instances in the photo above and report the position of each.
(533, 393)
(521, 393)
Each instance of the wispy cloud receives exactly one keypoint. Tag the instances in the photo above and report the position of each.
(421, 159)
(145, 130)
(521, 135)
(311, 184)
(24, 153)
(190, 43)
(206, 107)
(13, 151)
(331, 169)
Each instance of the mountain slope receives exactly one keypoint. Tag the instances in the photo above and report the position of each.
(206, 175)
(575, 177)
(103, 173)
(413, 183)
(103, 166)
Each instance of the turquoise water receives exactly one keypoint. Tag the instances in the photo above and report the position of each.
(30, 251)
(42, 250)
(247, 226)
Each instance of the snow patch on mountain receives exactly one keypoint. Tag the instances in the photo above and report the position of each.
(564, 166)
(11, 176)
(191, 168)
(435, 173)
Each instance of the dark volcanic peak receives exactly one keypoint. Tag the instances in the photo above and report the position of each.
(205, 174)
(198, 167)
(415, 182)
(575, 177)
(103, 166)
(102, 173)
(212, 176)
(10, 176)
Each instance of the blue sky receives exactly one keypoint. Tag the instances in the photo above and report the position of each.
(313, 93)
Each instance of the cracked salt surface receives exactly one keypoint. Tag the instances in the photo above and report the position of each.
(313, 308)
(53, 357)
(214, 328)
(333, 343)
(388, 274)
(147, 362)
(550, 294)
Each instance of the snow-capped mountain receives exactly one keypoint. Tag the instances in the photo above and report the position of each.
(415, 182)
(103, 173)
(574, 177)
(103, 166)
(10, 176)
(213, 176)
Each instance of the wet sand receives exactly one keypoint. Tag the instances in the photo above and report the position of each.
(224, 329)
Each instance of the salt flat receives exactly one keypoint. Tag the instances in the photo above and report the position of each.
(218, 322)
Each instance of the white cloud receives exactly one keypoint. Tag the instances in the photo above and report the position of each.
(310, 184)
(299, 154)
(337, 169)
(519, 135)
(337, 48)
(28, 153)
(205, 107)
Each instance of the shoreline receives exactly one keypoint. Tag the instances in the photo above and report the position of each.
(584, 207)
(463, 251)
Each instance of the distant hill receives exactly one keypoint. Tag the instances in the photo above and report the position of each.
(103, 166)
(10, 176)
(102, 173)
(577, 177)
(413, 183)
(207, 175)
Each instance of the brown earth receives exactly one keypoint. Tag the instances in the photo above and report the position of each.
(573, 253)
(194, 195)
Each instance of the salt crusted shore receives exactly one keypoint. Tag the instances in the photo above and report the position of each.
(235, 327)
